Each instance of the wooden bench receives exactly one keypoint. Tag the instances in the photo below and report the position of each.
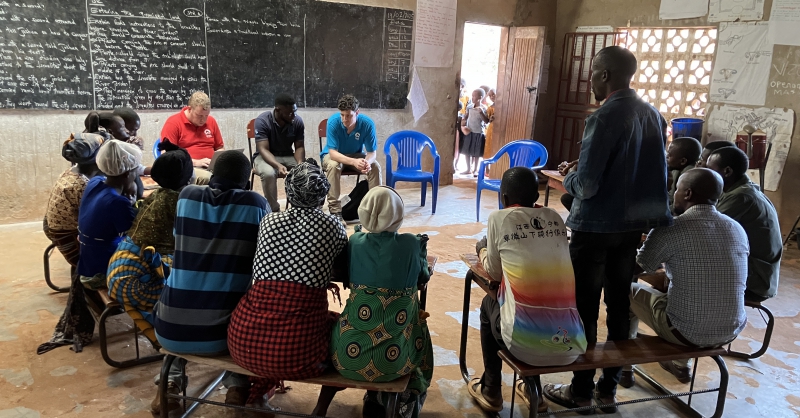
(329, 378)
(110, 308)
(642, 350)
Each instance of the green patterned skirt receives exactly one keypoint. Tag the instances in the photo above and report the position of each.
(380, 337)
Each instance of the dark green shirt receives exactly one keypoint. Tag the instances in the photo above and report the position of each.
(746, 204)
(388, 259)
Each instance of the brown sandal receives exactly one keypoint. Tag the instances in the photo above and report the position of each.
(474, 389)
(519, 388)
(562, 395)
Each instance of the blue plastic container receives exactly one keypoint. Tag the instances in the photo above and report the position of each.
(687, 127)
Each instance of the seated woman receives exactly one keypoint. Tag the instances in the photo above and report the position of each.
(138, 270)
(115, 126)
(106, 213)
(132, 125)
(386, 269)
(281, 327)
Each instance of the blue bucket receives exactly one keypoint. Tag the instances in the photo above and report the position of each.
(687, 127)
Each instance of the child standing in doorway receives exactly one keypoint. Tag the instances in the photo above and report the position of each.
(491, 95)
(472, 126)
(463, 102)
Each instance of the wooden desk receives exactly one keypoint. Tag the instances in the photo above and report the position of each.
(149, 184)
(554, 181)
(481, 277)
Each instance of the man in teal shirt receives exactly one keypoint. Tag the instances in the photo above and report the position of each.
(352, 142)
(746, 204)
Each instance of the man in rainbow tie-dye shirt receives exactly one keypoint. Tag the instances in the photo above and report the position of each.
(533, 314)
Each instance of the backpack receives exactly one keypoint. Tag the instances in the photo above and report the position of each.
(350, 210)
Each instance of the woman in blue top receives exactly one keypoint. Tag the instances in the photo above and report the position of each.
(106, 211)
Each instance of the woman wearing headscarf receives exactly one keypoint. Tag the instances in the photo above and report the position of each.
(281, 327)
(139, 268)
(76, 325)
(381, 334)
(106, 213)
(115, 125)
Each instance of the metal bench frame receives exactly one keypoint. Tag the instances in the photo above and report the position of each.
(767, 334)
(46, 262)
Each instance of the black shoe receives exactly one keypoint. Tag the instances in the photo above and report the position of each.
(681, 373)
(627, 379)
(603, 399)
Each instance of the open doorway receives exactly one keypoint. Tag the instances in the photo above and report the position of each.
(479, 69)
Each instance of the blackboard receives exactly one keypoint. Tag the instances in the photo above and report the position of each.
(152, 54)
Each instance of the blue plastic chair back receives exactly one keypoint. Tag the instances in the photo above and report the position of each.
(156, 151)
(410, 146)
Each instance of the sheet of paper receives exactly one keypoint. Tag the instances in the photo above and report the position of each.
(419, 104)
(682, 9)
(741, 69)
(436, 33)
(595, 29)
(733, 10)
(784, 22)
(723, 122)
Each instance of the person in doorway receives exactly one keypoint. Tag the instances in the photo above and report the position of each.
(488, 150)
(216, 228)
(743, 201)
(699, 299)
(196, 131)
(619, 187)
(132, 125)
(682, 156)
(463, 102)
(277, 131)
(351, 141)
(472, 126)
(534, 313)
(709, 148)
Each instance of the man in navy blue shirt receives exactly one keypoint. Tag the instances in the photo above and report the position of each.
(351, 142)
(280, 142)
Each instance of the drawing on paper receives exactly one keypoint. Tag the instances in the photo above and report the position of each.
(727, 72)
(732, 40)
(733, 10)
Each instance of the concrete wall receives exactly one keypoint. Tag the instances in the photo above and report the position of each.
(574, 13)
(30, 142)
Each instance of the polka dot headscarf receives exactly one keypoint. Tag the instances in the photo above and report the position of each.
(306, 185)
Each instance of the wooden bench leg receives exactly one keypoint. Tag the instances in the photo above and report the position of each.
(767, 335)
(109, 311)
(547, 193)
(46, 263)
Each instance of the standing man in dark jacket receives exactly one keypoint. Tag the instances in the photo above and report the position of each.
(620, 190)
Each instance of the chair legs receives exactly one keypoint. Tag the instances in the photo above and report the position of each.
(424, 191)
(478, 207)
(767, 334)
(435, 195)
(46, 262)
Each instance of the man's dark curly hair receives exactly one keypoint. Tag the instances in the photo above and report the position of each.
(348, 102)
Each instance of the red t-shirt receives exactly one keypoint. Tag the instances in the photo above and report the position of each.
(200, 141)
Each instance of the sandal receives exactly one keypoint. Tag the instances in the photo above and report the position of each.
(474, 389)
(562, 395)
(522, 392)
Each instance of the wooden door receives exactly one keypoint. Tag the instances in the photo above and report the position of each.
(517, 88)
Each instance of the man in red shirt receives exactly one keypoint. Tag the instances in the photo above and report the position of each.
(194, 130)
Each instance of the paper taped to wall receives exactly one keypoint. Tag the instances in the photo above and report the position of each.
(784, 22)
(741, 69)
(419, 104)
(733, 10)
(435, 33)
(725, 121)
(682, 9)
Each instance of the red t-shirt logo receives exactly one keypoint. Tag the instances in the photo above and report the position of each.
(208, 133)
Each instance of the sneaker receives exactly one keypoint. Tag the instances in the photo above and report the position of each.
(172, 403)
(681, 373)
(237, 395)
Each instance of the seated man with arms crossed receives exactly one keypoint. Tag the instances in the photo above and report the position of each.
(216, 228)
(276, 132)
(194, 130)
(746, 204)
(349, 135)
(699, 302)
(534, 312)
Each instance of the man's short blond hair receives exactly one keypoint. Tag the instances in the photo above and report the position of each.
(200, 99)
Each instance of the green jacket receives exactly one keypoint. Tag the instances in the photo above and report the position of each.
(746, 204)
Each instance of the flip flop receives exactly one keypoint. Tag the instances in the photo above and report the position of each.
(519, 388)
(474, 389)
(562, 395)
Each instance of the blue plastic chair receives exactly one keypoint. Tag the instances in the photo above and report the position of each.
(522, 153)
(409, 146)
(156, 151)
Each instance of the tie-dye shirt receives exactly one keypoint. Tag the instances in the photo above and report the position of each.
(528, 249)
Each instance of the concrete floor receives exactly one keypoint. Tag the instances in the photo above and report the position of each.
(63, 383)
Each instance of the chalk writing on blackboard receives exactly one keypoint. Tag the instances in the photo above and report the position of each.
(399, 32)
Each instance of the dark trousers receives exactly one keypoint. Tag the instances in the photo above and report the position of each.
(491, 343)
(603, 262)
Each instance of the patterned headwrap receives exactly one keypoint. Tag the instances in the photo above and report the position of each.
(81, 148)
(306, 185)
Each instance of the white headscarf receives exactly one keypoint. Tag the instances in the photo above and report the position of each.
(381, 210)
(116, 158)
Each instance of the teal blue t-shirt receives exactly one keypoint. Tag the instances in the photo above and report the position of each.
(362, 139)
(388, 259)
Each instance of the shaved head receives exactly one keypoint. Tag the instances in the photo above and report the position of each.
(519, 186)
(612, 70)
(698, 186)
(683, 152)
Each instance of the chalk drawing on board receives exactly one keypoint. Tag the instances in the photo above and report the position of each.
(733, 10)
(724, 122)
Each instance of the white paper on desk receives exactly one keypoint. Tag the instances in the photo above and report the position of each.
(682, 9)
(419, 104)
(735, 10)
(741, 69)
(434, 43)
(784, 23)
(724, 122)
